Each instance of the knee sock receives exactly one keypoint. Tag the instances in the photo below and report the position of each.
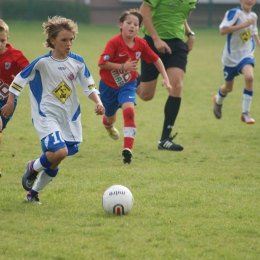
(246, 100)
(41, 163)
(171, 111)
(220, 98)
(105, 123)
(129, 127)
(45, 177)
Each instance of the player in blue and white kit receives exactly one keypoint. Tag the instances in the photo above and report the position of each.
(240, 26)
(55, 106)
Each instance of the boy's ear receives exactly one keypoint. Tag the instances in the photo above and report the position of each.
(120, 25)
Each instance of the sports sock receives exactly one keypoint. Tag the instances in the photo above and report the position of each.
(171, 111)
(42, 181)
(220, 98)
(129, 127)
(246, 100)
(105, 123)
(45, 177)
(41, 163)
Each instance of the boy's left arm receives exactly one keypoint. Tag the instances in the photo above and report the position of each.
(256, 38)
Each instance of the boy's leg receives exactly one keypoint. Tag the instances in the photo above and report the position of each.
(247, 94)
(55, 150)
(126, 100)
(45, 177)
(108, 97)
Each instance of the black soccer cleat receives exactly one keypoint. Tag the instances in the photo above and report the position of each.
(167, 144)
(29, 176)
(127, 154)
(32, 198)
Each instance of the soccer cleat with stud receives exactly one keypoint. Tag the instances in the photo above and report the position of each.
(246, 118)
(32, 198)
(113, 133)
(29, 176)
(127, 154)
(217, 109)
(167, 144)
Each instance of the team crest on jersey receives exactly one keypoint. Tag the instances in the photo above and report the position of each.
(8, 65)
(137, 55)
(62, 92)
(107, 57)
(71, 76)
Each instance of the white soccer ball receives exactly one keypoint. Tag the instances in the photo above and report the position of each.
(118, 200)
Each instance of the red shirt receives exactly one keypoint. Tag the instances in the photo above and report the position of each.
(12, 61)
(118, 52)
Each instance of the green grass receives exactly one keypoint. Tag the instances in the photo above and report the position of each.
(201, 203)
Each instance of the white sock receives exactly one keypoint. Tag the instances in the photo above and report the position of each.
(246, 103)
(220, 98)
(42, 181)
(37, 166)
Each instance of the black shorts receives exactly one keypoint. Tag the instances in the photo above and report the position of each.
(177, 59)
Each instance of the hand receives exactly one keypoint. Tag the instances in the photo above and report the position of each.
(99, 109)
(162, 46)
(167, 84)
(250, 22)
(190, 43)
(130, 65)
(7, 110)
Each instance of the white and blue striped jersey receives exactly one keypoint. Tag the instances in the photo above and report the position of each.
(53, 95)
(239, 44)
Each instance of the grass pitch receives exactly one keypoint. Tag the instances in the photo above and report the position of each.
(201, 203)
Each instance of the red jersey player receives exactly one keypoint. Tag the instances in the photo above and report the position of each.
(118, 72)
(12, 61)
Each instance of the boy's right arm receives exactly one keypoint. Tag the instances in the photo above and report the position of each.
(233, 28)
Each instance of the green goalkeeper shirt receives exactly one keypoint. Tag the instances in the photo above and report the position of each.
(168, 17)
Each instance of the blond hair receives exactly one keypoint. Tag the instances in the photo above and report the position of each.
(54, 25)
(3, 26)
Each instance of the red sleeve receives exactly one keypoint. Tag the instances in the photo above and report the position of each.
(148, 54)
(21, 62)
(108, 53)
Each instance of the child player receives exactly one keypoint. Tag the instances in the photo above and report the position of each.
(54, 102)
(12, 61)
(240, 26)
(118, 72)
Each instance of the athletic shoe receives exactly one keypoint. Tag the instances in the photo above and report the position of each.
(32, 198)
(167, 144)
(246, 118)
(127, 154)
(217, 108)
(113, 133)
(29, 176)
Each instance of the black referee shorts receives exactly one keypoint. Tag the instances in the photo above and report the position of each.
(177, 59)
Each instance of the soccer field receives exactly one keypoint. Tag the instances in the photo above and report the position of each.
(201, 203)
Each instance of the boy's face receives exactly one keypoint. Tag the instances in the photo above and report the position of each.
(130, 27)
(247, 5)
(3, 41)
(63, 43)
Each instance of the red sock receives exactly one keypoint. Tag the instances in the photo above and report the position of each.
(105, 123)
(129, 127)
